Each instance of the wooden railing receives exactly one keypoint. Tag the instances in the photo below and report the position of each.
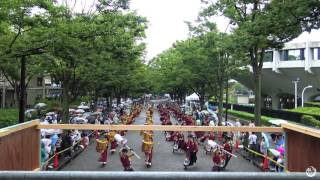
(20, 147)
(20, 144)
(159, 128)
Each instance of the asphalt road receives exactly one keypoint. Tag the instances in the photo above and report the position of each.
(163, 158)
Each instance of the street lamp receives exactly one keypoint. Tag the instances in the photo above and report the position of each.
(296, 92)
(303, 93)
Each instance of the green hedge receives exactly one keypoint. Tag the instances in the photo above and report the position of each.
(310, 121)
(312, 104)
(8, 117)
(307, 110)
(249, 116)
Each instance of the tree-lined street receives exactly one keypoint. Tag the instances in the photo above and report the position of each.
(163, 158)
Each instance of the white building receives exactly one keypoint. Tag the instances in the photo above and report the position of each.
(299, 58)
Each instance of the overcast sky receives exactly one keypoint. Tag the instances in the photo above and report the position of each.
(167, 21)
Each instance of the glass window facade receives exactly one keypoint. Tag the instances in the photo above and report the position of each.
(292, 55)
(315, 53)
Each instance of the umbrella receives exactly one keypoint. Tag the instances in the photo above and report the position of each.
(205, 112)
(72, 110)
(266, 139)
(80, 120)
(192, 97)
(50, 113)
(275, 152)
(40, 105)
(79, 111)
(281, 150)
(97, 113)
(83, 107)
(91, 119)
(228, 123)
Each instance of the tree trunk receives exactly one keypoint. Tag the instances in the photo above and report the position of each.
(118, 99)
(22, 99)
(16, 97)
(65, 99)
(257, 96)
(227, 96)
(220, 106)
(201, 98)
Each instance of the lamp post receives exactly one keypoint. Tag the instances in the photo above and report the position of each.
(296, 92)
(303, 93)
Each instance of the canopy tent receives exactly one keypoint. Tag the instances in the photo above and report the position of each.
(192, 97)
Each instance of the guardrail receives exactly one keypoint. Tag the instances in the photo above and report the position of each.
(74, 175)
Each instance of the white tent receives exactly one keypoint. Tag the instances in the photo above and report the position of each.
(192, 97)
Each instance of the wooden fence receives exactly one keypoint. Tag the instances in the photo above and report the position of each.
(20, 147)
(20, 144)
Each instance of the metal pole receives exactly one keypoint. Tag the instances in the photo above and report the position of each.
(302, 100)
(296, 92)
(77, 175)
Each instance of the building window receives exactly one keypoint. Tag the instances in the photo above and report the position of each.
(39, 81)
(315, 53)
(268, 56)
(292, 55)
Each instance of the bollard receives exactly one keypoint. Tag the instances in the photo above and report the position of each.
(56, 161)
(265, 163)
(237, 145)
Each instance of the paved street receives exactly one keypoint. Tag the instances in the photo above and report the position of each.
(163, 158)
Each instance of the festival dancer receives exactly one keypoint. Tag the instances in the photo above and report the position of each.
(112, 141)
(147, 146)
(125, 158)
(191, 151)
(102, 148)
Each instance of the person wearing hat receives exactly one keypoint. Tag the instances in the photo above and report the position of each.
(191, 150)
(125, 158)
(227, 145)
(102, 148)
(147, 146)
(112, 141)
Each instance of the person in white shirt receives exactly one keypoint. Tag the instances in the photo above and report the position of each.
(252, 143)
(253, 139)
(237, 124)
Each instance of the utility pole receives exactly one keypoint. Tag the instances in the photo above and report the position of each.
(296, 92)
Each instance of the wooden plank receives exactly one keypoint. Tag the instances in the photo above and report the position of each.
(302, 151)
(301, 129)
(158, 127)
(20, 150)
(12, 129)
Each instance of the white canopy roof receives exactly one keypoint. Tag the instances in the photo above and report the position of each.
(192, 97)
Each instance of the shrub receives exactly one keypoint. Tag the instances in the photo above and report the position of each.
(249, 116)
(312, 104)
(310, 121)
(307, 110)
(8, 117)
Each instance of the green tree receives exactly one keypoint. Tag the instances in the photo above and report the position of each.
(259, 25)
